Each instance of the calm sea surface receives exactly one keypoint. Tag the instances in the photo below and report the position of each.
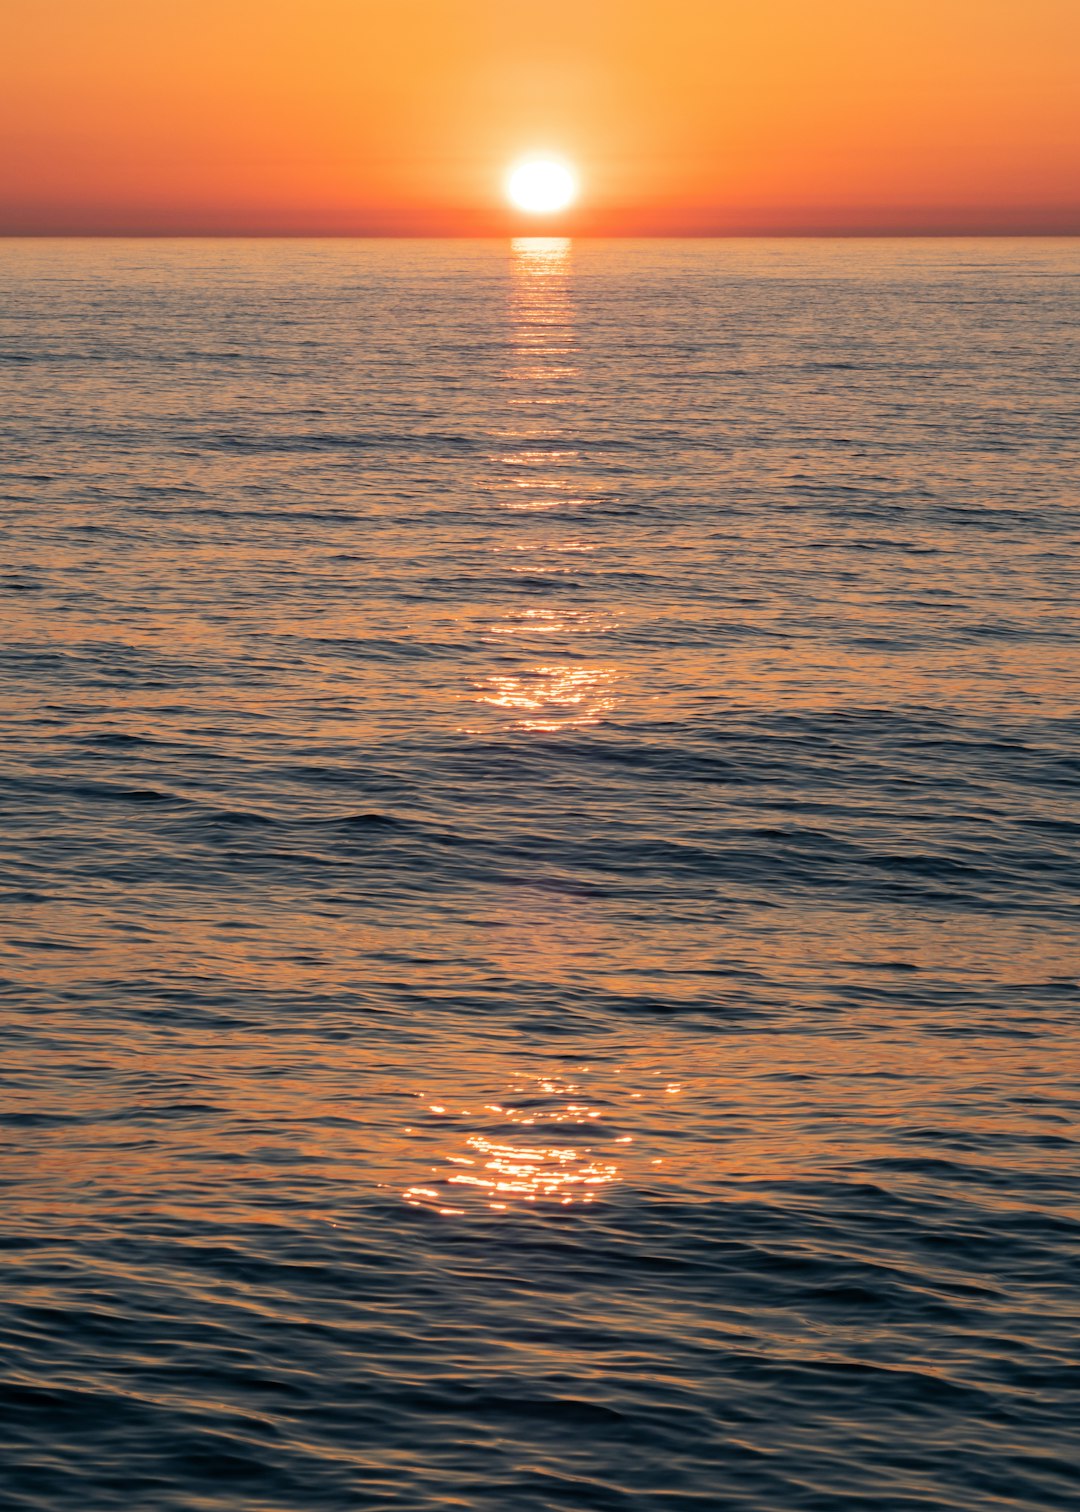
(540, 868)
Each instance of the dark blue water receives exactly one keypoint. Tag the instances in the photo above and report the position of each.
(539, 869)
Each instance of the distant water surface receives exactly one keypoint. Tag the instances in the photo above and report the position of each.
(539, 868)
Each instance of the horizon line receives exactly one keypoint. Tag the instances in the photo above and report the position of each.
(851, 234)
(442, 222)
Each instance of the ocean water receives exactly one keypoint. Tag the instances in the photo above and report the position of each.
(539, 865)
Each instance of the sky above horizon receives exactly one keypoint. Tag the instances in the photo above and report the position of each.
(401, 116)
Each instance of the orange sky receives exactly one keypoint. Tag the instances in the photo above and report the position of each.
(356, 116)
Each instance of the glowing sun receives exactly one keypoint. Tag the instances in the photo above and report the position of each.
(541, 185)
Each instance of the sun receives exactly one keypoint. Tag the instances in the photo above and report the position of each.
(541, 185)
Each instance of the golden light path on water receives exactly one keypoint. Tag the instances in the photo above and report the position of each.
(544, 1141)
(537, 470)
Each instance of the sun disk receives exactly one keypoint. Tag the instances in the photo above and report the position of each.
(541, 186)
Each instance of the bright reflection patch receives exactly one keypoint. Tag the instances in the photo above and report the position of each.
(541, 186)
(551, 698)
(538, 1148)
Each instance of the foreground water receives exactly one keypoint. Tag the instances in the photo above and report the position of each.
(539, 850)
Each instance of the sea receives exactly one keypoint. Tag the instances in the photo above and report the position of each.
(539, 874)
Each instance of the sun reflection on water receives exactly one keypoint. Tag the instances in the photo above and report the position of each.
(540, 1150)
(536, 468)
(545, 1142)
(552, 697)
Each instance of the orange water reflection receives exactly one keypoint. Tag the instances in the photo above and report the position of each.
(552, 698)
(547, 1139)
(536, 468)
(540, 1146)
(509, 1129)
(534, 451)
